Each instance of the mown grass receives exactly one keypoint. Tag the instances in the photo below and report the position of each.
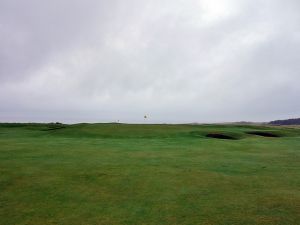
(94, 174)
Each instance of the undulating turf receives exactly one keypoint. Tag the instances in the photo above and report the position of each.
(113, 174)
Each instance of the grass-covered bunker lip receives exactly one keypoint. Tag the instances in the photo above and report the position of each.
(263, 134)
(220, 136)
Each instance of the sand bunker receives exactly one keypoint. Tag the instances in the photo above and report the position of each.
(220, 136)
(262, 133)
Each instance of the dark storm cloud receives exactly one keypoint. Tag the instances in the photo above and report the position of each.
(179, 61)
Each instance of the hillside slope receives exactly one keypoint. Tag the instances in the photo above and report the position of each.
(286, 122)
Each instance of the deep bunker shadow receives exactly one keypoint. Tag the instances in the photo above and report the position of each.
(263, 134)
(220, 136)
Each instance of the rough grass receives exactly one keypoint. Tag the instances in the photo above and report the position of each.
(93, 174)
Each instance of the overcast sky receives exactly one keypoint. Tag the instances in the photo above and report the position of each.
(174, 60)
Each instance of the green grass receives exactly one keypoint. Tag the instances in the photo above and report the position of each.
(102, 174)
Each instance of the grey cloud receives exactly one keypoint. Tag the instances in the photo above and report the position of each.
(179, 61)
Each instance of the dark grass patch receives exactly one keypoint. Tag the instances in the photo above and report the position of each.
(220, 136)
(17, 125)
(263, 134)
(195, 134)
(53, 128)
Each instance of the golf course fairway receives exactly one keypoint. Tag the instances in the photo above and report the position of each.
(122, 174)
